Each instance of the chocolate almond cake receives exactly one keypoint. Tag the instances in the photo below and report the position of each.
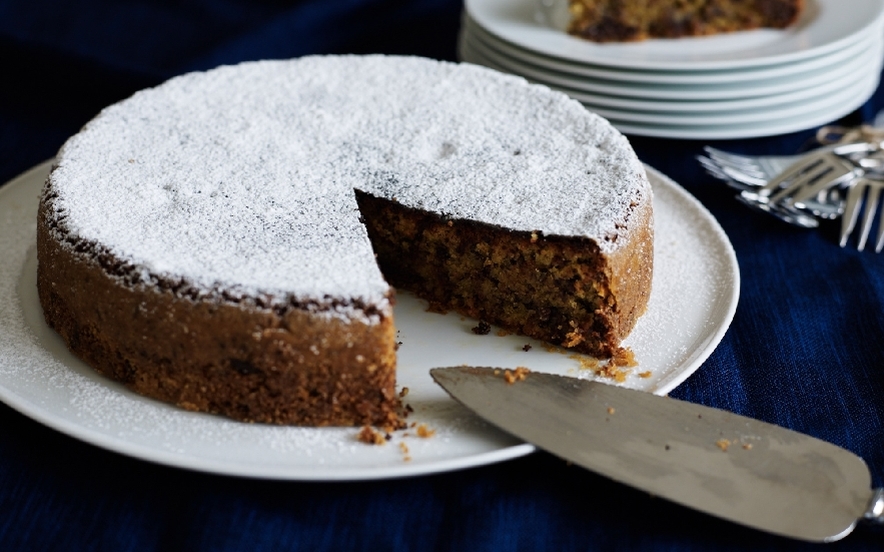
(230, 240)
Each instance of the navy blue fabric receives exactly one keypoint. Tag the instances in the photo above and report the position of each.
(805, 350)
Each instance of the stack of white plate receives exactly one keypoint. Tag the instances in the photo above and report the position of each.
(737, 85)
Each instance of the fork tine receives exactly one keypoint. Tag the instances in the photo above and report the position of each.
(879, 242)
(813, 187)
(754, 168)
(748, 180)
(739, 163)
(732, 177)
(871, 207)
(801, 167)
(824, 171)
(798, 184)
(851, 210)
(730, 158)
(711, 166)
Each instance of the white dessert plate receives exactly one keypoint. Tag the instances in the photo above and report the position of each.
(825, 26)
(41, 379)
(698, 122)
(776, 105)
(747, 90)
(798, 69)
(833, 101)
(770, 127)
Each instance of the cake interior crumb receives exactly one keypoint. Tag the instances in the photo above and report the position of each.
(617, 368)
(424, 431)
(624, 357)
(370, 436)
(406, 454)
(519, 374)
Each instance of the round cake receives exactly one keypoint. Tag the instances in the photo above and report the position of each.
(230, 240)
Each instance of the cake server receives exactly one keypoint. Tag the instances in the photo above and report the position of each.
(737, 468)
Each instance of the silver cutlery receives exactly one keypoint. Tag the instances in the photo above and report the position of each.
(747, 171)
(739, 469)
(786, 213)
(750, 172)
(863, 196)
(814, 172)
(842, 179)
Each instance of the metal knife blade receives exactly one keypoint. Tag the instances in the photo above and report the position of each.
(737, 468)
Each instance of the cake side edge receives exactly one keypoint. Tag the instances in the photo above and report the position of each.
(296, 367)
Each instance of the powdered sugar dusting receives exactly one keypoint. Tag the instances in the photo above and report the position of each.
(241, 179)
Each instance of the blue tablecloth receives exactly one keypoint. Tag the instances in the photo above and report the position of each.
(805, 350)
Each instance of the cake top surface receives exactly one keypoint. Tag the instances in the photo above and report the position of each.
(240, 180)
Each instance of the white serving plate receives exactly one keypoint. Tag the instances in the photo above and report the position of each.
(770, 127)
(833, 101)
(694, 297)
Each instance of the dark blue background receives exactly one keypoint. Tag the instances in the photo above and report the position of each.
(805, 350)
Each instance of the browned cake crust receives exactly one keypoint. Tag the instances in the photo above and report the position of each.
(294, 367)
(562, 290)
(285, 318)
(632, 20)
(249, 363)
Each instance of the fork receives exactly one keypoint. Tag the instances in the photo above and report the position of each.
(750, 172)
(816, 171)
(785, 213)
(757, 170)
(864, 194)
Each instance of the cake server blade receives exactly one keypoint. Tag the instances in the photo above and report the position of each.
(737, 468)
